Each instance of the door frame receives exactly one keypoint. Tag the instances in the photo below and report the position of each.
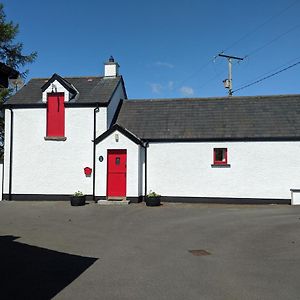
(107, 175)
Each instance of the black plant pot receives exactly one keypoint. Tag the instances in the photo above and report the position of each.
(152, 201)
(77, 200)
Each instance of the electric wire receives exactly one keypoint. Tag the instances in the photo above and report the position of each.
(217, 75)
(260, 26)
(272, 70)
(202, 67)
(205, 65)
(267, 77)
(271, 41)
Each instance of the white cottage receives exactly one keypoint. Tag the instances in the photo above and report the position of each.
(81, 133)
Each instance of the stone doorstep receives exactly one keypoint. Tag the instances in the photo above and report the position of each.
(112, 198)
(110, 202)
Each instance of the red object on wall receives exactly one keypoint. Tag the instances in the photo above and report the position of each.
(56, 114)
(87, 171)
(116, 173)
(220, 156)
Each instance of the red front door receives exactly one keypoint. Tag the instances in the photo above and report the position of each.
(116, 173)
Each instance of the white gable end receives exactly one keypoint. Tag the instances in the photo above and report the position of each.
(56, 87)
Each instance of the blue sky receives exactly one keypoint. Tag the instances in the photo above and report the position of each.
(165, 48)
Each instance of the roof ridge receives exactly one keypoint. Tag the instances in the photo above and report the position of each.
(74, 77)
(64, 77)
(279, 96)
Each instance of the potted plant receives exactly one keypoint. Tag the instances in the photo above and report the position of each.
(78, 199)
(153, 199)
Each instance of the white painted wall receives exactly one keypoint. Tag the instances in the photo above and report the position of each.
(115, 100)
(111, 69)
(258, 169)
(51, 167)
(101, 122)
(133, 169)
(59, 89)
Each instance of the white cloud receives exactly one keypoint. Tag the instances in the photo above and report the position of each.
(170, 85)
(164, 64)
(159, 88)
(156, 88)
(186, 91)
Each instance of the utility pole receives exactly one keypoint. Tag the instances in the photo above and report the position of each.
(228, 82)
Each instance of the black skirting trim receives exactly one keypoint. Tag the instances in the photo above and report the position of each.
(41, 197)
(224, 200)
(135, 199)
(220, 200)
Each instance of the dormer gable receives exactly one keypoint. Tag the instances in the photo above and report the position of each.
(57, 84)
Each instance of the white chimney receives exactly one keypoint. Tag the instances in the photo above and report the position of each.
(111, 68)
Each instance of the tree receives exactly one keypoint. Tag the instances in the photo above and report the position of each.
(11, 53)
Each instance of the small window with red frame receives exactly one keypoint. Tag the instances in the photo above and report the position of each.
(220, 156)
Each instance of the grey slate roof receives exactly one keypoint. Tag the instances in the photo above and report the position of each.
(91, 89)
(233, 118)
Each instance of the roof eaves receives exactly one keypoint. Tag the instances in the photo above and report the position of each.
(222, 139)
(123, 130)
(66, 84)
(41, 104)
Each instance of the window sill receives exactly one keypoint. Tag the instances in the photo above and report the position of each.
(220, 166)
(55, 138)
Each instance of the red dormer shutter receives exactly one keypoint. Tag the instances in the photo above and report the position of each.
(56, 114)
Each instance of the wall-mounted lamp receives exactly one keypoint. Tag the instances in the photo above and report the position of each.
(116, 137)
(54, 88)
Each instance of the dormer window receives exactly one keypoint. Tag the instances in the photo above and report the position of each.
(55, 116)
(57, 84)
(56, 91)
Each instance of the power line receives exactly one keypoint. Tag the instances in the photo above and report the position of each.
(217, 75)
(266, 77)
(205, 65)
(197, 71)
(260, 26)
(274, 69)
(272, 41)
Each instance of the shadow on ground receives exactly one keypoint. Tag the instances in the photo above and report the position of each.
(29, 272)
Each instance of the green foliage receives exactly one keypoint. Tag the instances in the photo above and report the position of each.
(78, 194)
(11, 51)
(153, 194)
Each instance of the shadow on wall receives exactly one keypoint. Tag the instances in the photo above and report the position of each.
(29, 272)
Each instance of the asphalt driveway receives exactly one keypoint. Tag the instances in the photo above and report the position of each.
(50, 249)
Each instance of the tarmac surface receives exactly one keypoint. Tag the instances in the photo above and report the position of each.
(50, 249)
